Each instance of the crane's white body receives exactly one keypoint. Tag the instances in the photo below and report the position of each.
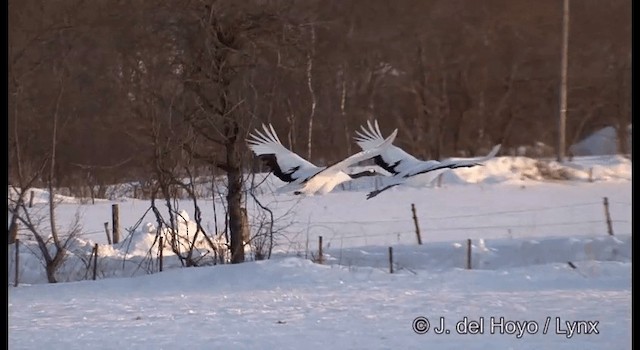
(407, 169)
(295, 170)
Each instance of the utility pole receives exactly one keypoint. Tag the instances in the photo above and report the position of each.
(562, 118)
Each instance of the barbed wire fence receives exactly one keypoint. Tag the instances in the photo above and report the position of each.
(367, 237)
(365, 242)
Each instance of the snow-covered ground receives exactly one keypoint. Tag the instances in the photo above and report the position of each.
(540, 253)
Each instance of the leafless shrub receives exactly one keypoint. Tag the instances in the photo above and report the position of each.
(549, 172)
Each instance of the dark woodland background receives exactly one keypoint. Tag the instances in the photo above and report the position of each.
(107, 91)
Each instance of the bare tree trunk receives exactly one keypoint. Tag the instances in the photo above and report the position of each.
(482, 111)
(310, 56)
(443, 110)
(423, 112)
(13, 228)
(343, 112)
(503, 103)
(506, 131)
(623, 121)
(623, 138)
(52, 163)
(291, 134)
(562, 118)
(14, 217)
(191, 190)
(583, 121)
(234, 194)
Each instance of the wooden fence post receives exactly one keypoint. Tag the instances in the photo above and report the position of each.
(468, 254)
(591, 174)
(161, 249)
(106, 231)
(415, 221)
(95, 261)
(320, 256)
(390, 259)
(115, 223)
(17, 247)
(31, 199)
(608, 216)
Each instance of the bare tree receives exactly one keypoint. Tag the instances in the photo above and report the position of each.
(49, 236)
(224, 48)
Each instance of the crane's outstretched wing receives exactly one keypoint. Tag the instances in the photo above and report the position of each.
(334, 174)
(284, 164)
(393, 159)
(452, 163)
(435, 168)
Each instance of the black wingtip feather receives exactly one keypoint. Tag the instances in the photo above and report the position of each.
(272, 163)
(384, 165)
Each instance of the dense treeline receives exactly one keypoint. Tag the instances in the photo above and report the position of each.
(108, 91)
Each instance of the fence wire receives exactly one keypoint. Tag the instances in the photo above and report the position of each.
(337, 233)
(449, 217)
